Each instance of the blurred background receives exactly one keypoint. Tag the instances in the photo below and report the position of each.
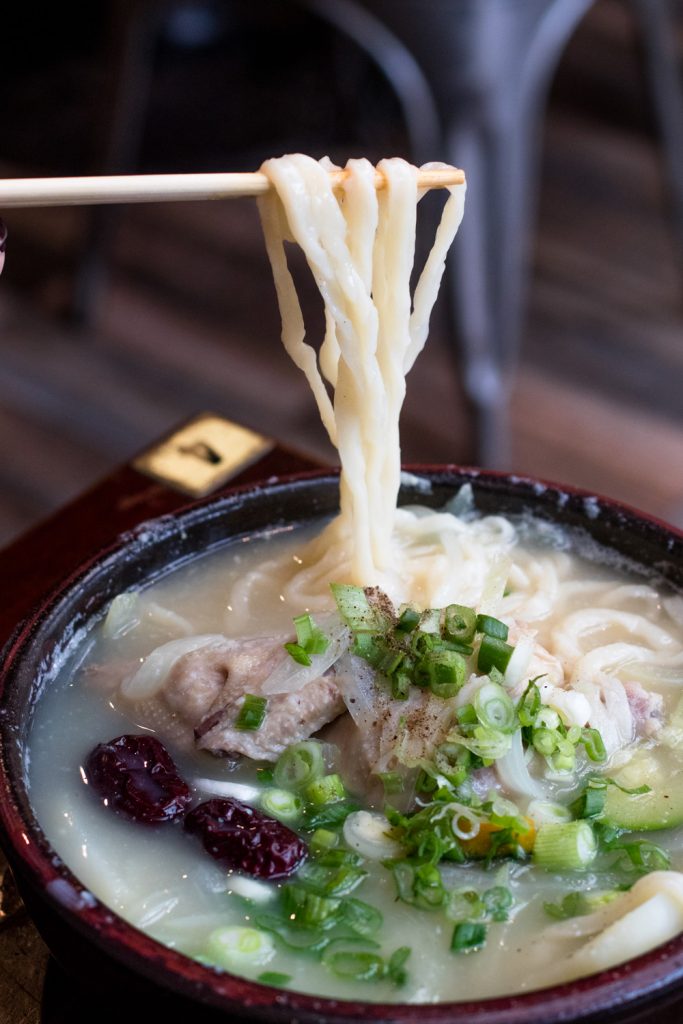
(557, 345)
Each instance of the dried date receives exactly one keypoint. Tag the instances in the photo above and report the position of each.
(137, 777)
(245, 839)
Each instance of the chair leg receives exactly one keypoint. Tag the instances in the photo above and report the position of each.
(658, 22)
(133, 32)
(396, 62)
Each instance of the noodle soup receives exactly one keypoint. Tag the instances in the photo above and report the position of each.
(430, 924)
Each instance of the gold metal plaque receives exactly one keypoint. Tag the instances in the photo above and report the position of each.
(203, 455)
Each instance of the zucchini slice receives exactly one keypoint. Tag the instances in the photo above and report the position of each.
(661, 808)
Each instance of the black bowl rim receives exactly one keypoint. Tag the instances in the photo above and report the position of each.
(627, 985)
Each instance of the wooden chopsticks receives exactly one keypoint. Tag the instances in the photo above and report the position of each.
(150, 188)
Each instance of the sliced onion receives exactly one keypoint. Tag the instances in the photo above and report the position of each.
(123, 615)
(167, 619)
(464, 814)
(240, 790)
(156, 667)
(518, 665)
(513, 772)
(366, 832)
(251, 888)
(548, 811)
(288, 676)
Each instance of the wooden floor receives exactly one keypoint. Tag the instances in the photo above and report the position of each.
(187, 321)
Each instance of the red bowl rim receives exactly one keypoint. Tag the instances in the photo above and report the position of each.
(626, 986)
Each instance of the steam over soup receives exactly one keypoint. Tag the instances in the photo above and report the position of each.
(415, 755)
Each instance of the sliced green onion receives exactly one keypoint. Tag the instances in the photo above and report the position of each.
(547, 811)
(309, 909)
(392, 781)
(493, 653)
(282, 804)
(466, 715)
(576, 904)
(274, 978)
(332, 880)
(400, 686)
(593, 745)
(355, 609)
(565, 846)
(323, 840)
(420, 885)
(492, 627)
(443, 671)
(547, 718)
(488, 744)
(309, 636)
(564, 758)
(497, 902)
(378, 653)
(574, 734)
(408, 620)
(330, 815)
(252, 713)
(299, 765)
(545, 741)
(297, 652)
(494, 708)
(355, 965)
(468, 936)
(326, 790)
(459, 623)
(309, 640)
(396, 965)
(239, 947)
(590, 803)
(428, 887)
(296, 938)
(363, 918)
(529, 705)
(430, 621)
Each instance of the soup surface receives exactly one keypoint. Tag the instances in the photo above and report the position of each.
(469, 844)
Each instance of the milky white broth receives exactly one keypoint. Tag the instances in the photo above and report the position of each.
(161, 880)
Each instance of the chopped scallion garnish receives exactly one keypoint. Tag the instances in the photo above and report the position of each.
(282, 804)
(565, 846)
(297, 652)
(309, 640)
(493, 653)
(299, 765)
(326, 790)
(444, 672)
(492, 627)
(468, 936)
(459, 623)
(495, 709)
(593, 745)
(355, 609)
(408, 620)
(251, 714)
(323, 840)
(275, 978)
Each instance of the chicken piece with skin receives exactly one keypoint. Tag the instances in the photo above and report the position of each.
(204, 688)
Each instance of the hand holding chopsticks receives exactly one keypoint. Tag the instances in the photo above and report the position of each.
(149, 188)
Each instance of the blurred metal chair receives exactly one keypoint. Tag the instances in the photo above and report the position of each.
(487, 66)
(472, 78)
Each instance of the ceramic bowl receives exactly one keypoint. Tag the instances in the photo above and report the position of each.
(90, 940)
